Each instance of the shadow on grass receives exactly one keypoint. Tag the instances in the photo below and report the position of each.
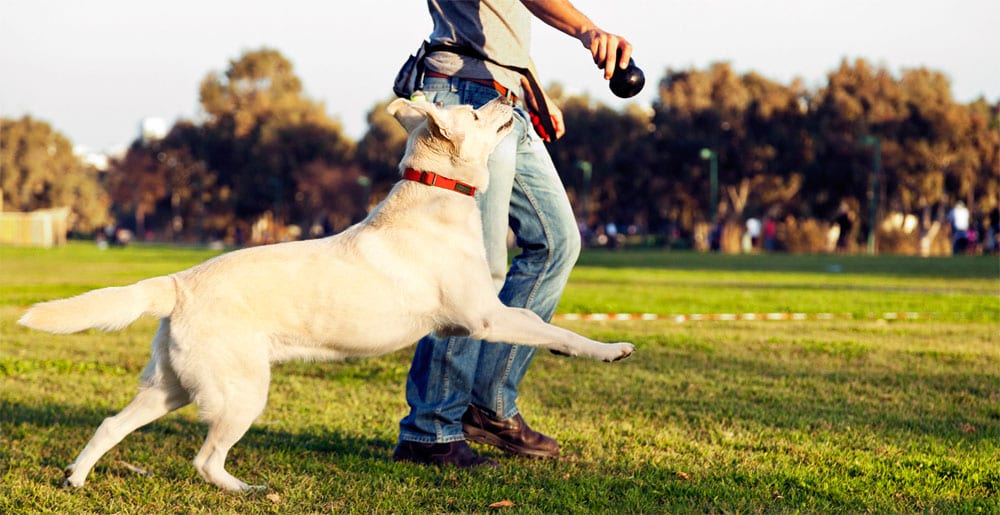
(354, 464)
(40, 422)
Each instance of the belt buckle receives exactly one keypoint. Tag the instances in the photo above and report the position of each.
(428, 178)
(505, 92)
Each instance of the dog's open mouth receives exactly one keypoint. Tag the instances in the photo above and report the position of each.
(506, 125)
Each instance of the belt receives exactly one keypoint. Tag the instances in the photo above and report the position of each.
(500, 88)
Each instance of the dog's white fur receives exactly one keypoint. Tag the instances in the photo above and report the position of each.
(415, 265)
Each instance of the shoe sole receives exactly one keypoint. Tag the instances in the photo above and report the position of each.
(426, 461)
(486, 438)
(485, 463)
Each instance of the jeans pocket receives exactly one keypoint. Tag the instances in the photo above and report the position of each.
(527, 129)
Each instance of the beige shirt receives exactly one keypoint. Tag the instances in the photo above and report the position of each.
(498, 29)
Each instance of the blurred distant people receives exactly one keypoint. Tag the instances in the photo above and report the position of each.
(832, 238)
(770, 233)
(611, 230)
(123, 237)
(752, 235)
(845, 220)
(112, 235)
(993, 230)
(958, 217)
(715, 237)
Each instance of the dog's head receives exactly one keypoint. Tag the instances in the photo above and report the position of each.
(454, 141)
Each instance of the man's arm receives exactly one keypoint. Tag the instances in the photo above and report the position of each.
(604, 46)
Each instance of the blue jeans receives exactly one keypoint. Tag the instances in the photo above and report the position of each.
(526, 194)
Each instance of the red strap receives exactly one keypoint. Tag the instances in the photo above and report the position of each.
(440, 181)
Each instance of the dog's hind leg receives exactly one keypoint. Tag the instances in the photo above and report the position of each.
(230, 407)
(524, 327)
(159, 394)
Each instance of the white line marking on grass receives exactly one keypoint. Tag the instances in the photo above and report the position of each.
(730, 317)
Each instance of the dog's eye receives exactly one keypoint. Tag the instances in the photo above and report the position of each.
(475, 116)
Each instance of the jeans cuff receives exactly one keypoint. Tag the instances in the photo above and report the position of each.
(423, 438)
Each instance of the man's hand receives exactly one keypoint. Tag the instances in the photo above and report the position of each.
(557, 120)
(555, 114)
(609, 50)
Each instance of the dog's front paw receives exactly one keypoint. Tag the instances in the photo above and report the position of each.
(619, 351)
(70, 481)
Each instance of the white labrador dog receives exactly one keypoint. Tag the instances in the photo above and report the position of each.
(415, 265)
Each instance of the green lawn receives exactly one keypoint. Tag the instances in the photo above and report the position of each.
(843, 415)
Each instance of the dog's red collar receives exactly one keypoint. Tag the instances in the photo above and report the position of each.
(433, 179)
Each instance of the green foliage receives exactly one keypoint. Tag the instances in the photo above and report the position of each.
(39, 170)
(276, 143)
(830, 416)
(264, 148)
(381, 147)
(783, 149)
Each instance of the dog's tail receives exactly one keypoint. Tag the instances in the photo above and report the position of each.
(107, 309)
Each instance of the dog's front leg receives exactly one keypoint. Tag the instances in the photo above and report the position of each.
(524, 327)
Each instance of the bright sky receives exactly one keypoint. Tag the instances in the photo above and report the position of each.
(95, 68)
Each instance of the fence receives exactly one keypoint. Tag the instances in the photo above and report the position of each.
(42, 228)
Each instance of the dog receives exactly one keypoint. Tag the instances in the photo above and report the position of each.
(414, 266)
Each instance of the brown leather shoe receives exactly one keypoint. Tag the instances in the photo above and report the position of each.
(457, 454)
(512, 435)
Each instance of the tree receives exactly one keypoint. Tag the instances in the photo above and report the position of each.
(381, 147)
(264, 147)
(934, 151)
(595, 160)
(755, 127)
(165, 184)
(261, 131)
(40, 170)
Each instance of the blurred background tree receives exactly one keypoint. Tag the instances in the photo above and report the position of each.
(264, 148)
(39, 170)
(381, 148)
(264, 157)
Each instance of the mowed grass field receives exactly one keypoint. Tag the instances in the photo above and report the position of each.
(851, 414)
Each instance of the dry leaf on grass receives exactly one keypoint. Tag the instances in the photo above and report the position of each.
(133, 468)
(503, 504)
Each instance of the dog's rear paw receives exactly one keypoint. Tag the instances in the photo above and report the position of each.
(619, 351)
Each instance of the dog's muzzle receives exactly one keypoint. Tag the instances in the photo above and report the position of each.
(507, 125)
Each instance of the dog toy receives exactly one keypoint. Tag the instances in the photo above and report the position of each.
(627, 82)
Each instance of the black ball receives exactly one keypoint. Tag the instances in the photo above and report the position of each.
(627, 82)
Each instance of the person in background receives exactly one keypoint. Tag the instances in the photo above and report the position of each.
(993, 231)
(958, 217)
(459, 388)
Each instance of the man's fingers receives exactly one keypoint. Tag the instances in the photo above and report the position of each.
(611, 52)
(626, 55)
(602, 52)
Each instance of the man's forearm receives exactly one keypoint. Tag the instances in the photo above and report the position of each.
(562, 15)
(608, 50)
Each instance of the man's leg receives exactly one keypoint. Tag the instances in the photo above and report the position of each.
(440, 380)
(547, 233)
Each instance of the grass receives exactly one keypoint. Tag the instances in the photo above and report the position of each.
(816, 416)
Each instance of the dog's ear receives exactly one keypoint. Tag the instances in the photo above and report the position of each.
(404, 112)
(411, 114)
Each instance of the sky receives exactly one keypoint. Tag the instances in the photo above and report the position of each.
(94, 69)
